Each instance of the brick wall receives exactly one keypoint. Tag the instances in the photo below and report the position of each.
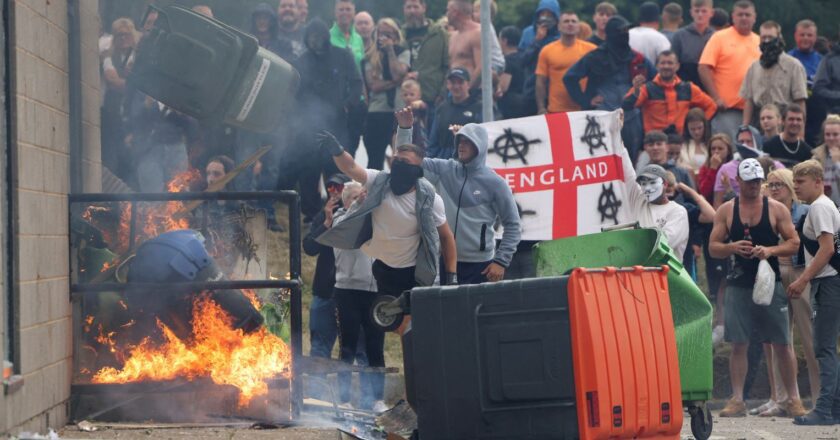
(41, 181)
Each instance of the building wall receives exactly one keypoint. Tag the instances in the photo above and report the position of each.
(40, 180)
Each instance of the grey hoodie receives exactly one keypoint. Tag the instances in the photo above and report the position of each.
(475, 197)
(353, 268)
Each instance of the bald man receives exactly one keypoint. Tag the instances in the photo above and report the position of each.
(363, 22)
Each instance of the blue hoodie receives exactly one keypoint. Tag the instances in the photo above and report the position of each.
(529, 49)
(530, 32)
(475, 197)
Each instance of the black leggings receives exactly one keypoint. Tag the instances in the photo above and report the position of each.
(353, 309)
(378, 133)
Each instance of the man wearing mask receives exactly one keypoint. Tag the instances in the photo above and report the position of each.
(429, 47)
(776, 78)
(656, 153)
(330, 83)
(401, 223)
(650, 206)
(289, 27)
(610, 71)
(724, 64)
(747, 229)
(475, 198)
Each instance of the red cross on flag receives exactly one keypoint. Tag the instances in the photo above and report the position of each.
(565, 171)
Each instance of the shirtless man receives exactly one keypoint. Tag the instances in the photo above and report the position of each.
(465, 41)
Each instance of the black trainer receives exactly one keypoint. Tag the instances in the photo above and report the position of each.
(814, 418)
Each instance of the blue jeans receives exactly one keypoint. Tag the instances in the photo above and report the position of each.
(825, 293)
(323, 326)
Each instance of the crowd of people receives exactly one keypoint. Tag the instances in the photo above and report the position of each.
(732, 145)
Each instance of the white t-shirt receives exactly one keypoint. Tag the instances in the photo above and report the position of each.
(396, 232)
(671, 219)
(649, 42)
(822, 217)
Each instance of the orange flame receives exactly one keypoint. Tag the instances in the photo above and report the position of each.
(251, 294)
(227, 355)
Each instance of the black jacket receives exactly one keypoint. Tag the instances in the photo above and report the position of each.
(441, 140)
(324, 279)
(330, 84)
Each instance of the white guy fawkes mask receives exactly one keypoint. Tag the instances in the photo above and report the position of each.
(652, 188)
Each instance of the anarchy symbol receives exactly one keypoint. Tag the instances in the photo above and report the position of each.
(608, 204)
(524, 212)
(513, 141)
(593, 136)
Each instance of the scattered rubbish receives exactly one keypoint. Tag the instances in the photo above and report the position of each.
(51, 435)
(86, 426)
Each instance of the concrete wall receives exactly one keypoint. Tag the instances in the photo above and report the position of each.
(41, 181)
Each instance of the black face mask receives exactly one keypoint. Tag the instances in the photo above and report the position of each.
(770, 52)
(404, 176)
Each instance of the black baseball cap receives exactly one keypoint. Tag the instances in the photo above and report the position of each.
(459, 72)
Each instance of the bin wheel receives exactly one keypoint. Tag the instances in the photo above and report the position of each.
(701, 422)
(386, 313)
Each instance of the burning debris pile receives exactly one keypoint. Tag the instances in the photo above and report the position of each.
(155, 335)
(216, 349)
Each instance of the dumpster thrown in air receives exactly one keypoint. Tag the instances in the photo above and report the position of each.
(691, 309)
(211, 71)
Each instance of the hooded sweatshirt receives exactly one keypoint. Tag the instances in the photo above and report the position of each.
(530, 33)
(329, 83)
(281, 47)
(529, 48)
(827, 81)
(475, 197)
(609, 69)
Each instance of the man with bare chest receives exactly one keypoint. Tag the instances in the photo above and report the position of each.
(747, 229)
(465, 41)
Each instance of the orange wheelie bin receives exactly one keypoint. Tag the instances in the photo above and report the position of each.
(590, 355)
(624, 349)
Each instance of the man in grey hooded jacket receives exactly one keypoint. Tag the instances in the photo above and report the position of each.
(475, 198)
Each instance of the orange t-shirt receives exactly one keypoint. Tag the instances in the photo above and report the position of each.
(555, 60)
(730, 55)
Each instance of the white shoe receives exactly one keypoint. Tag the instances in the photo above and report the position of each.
(717, 335)
(380, 407)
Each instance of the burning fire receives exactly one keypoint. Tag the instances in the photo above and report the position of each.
(161, 218)
(216, 350)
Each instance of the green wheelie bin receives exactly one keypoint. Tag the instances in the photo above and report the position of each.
(691, 309)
